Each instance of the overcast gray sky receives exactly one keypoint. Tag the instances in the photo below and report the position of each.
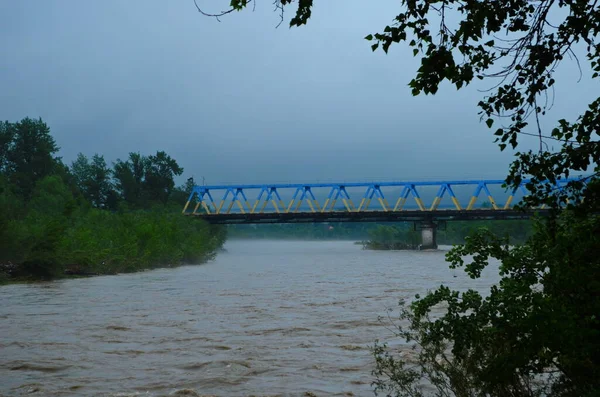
(239, 100)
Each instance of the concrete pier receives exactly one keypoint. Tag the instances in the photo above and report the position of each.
(428, 235)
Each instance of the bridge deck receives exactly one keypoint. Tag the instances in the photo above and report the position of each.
(368, 216)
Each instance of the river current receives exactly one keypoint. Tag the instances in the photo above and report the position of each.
(265, 318)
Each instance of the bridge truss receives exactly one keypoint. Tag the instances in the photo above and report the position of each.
(381, 201)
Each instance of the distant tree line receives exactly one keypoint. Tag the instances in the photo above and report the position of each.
(89, 217)
(391, 235)
(400, 236)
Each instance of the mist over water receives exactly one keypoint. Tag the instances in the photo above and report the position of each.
(264, 318)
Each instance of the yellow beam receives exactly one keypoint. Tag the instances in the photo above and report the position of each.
(400, 204)
(508, 202)
(493, 202)
(317, 205)
(186, 206)
(436, 202)
(274, 202)
(290, 206)
(196, 207)
(325, 205)
(456, 203)
(239, 203)
(347, 205)
(332, 205)
(382, 203)
(362, 202)
(387, 204)
(472, 202)
(420, 203)
(350, 204)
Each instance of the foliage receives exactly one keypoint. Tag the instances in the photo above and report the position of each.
(143, 180)
(93, 178)
(26, 154)
(537, 331)
(386, 237)
(55, 219)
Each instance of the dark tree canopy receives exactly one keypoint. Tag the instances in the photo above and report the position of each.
(27, 153)
(93, 178)
(146, 179)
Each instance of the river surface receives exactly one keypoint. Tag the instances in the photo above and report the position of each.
(268, 318)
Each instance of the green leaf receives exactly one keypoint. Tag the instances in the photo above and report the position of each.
(369, 37)
(489, 122)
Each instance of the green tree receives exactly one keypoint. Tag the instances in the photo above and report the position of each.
(537, 332)
(27, 153)
(93, 178)
(160, 176)
(6, 139)
(129, 177)
(145, 180)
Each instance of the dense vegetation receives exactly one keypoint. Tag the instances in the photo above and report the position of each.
(537, 332)
(90, 218)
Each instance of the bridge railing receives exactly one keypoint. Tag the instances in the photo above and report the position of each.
(354, 197)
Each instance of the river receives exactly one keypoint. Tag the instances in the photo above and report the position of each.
(268, 318)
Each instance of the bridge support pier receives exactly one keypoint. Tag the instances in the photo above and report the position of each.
(428, 235)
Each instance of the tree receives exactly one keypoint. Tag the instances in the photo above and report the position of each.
(160, 176)
(93, 178)
(129, 177)
(6, 138)
(538, 330)
(27, 153)
(143, 180)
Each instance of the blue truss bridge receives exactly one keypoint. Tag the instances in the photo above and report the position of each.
(425, 203)
(359, 202)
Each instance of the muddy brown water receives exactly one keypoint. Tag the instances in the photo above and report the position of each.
(264, 318)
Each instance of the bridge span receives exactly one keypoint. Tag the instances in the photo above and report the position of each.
(426, 203)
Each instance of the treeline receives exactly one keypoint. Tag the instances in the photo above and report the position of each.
(400, 235)
(305, 231)
(404, 235)
(89, 217)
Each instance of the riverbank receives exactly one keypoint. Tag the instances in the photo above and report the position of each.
(92, 242)
(72, 272)
(389, 246)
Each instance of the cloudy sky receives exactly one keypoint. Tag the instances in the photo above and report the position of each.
(241, 100)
